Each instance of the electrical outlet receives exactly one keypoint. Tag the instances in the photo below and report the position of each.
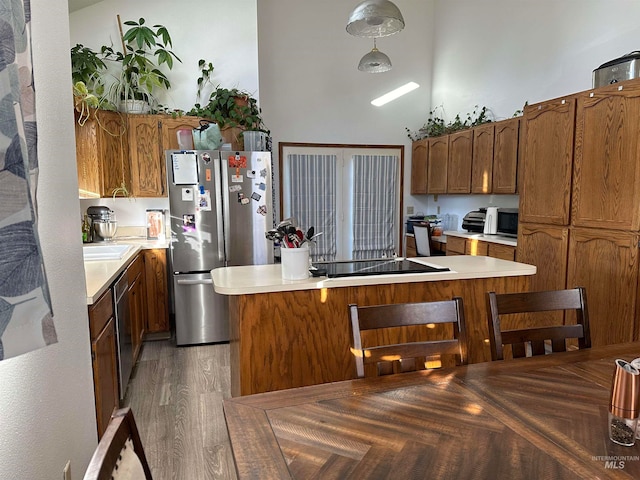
(409, 209)
(66, 471)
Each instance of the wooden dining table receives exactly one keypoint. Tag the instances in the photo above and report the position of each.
(530, 418)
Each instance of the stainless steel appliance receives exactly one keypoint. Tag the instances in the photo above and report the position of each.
(123, 331)
(220, 209)
(103, 223)
(508, 222)
(617, 70)
(474, 221)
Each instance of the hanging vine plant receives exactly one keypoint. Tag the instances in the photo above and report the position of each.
(436, 125)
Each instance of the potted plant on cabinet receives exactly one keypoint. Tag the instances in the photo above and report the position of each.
(145, 50)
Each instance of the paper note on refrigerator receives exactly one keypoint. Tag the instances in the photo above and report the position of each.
(185, 168)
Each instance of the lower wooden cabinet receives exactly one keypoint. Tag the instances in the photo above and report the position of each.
(157, 290)
(411, 250)
(546, 247)
(104, 361)
(605, 262)
(474, 246)
(137, 303)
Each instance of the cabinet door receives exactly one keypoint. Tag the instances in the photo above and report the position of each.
(411, 247)
(476, 247)
(170, 127)
(419, 156)
(137, 304)
(547, 248)
(114, 153)
(482, 165)
(606, 177)
(459, 162)
(505, 252)
(155, 264)
(437, 164)
(456, 245)
(505, 156)
(147, 161)
(547, 160)
(105, 376)
(606, 264)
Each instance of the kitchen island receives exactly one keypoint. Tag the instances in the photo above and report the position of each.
(292, 333)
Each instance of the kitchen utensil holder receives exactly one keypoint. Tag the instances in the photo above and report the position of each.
(295, 263)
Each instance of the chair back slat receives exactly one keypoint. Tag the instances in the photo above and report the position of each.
(410, 355)
(537, 340)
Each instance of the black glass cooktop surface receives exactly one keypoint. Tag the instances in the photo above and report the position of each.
(371, 267)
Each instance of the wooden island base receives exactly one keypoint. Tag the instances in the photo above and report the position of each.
(289, 339)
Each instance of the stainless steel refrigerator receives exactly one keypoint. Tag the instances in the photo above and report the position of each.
(220, 205)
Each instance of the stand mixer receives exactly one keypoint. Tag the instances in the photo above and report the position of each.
(103, 223)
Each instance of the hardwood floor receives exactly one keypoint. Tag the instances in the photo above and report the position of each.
(176, 396)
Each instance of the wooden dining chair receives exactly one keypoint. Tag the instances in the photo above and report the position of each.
(409, 356)
(119, 455)
(537, 340)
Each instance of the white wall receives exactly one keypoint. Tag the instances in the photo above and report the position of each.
(47, 413)
(219, 31)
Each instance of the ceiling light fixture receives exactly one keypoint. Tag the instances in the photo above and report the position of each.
(375, 19)
(392, 95)
(375, 61)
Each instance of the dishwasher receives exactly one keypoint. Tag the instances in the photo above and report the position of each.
(123, 331)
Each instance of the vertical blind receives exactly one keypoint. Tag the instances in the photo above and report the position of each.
(374, 198)
(313, 199)
(351, 197)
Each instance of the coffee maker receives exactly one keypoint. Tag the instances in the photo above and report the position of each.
(103, 224)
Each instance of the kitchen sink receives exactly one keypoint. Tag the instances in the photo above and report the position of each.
(105, 252)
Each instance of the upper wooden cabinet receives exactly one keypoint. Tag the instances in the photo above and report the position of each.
(147, 156)
(546, 161)
(459, 162)
(102, 154)
(505, 156)
(438, 159)
(482, 159)
(606, 177)
(419, 156)
(170, 127)
(482, 165)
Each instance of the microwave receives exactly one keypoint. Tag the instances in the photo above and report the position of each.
(508, 222)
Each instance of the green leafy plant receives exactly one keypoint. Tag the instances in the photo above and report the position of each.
(206, 69)
(87, 67)
(84, 101)
(231, 108)
(145, 50)
(436, 126)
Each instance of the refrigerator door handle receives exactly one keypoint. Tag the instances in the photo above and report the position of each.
(219, 209)
(206, 281)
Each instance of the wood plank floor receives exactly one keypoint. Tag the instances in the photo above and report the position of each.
(176, 396)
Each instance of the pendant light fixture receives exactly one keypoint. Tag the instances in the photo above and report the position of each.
(375, 19)
(375, 61)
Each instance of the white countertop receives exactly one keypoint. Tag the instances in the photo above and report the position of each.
(99, 275)
(268, 278)
(502, 239)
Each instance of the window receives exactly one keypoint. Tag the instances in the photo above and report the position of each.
(351, 194)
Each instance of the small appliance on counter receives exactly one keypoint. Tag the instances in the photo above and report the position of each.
(103, 223)
(617, 70)
(474, 221)
(508, 222)
(491, 221)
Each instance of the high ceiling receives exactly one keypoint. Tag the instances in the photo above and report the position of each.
(78, 4)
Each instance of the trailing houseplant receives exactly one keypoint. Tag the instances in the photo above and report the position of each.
(144, 51)
(231, 108)
(436, 125)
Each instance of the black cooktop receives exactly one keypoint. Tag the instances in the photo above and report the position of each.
(371, 267)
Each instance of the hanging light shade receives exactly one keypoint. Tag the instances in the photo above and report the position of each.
(375, 61)
(375, 19)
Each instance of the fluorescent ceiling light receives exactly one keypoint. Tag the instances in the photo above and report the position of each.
(393, 94)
